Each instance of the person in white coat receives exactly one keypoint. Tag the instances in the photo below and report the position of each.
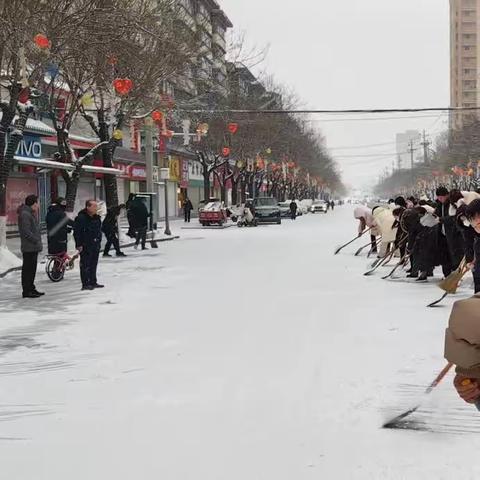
(366, 221)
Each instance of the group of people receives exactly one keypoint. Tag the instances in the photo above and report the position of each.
(88, 229)
(428, 233)
(446, 233)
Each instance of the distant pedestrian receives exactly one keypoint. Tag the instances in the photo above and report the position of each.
(110, 229)
(31, 244)
(139, 220)
(332, 205)
(58, 227)
(293, 210)
(88, 240)
(187, 209)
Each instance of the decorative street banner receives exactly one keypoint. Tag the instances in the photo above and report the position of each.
(175, 172)
(185, 174)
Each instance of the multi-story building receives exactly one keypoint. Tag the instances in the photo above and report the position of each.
(464, 60)
(207, 73)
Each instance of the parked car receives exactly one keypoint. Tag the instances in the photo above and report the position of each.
(213, 213)
(319, 206)
(267, 210)
(284, 209)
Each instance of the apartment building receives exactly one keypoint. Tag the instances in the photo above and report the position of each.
(464, 60)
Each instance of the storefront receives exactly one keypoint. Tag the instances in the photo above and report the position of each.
(133, 178)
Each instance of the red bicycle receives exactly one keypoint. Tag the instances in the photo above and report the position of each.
(58, 264)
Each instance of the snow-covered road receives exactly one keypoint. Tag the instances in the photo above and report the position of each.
(237, 354)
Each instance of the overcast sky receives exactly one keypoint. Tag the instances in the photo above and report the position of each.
(340, 54)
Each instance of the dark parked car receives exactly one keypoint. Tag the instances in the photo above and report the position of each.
(267, 210)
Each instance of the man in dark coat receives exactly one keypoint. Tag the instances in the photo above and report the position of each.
(472, 250)
(293, 209)
(110, 229)
(450, 242)
(139, 220)
(58, 227)
(31, 244)
(187, 210)
(88, 240)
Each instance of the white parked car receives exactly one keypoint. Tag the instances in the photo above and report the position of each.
(319, 206)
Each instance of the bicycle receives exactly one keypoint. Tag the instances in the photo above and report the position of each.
(58, 264)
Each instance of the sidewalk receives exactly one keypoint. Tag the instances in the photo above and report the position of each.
(13, 243)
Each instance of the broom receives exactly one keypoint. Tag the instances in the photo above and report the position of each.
(339, 249)
(451, 283)
(396, 422)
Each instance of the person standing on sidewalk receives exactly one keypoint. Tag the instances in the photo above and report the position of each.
(31, 244)
(110, 229)
(88, 240)
(139, 215)
(187, 210)
(293, 210)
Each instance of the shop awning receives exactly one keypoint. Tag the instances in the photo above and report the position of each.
(50, 164)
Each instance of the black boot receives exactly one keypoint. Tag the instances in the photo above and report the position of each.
(423, 277)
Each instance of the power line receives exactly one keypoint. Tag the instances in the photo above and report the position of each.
(306, 112)
(362, 146)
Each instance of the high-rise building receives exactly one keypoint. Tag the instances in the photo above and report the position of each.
(464, 60)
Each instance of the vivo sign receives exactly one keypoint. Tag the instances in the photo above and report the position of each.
(30, 147)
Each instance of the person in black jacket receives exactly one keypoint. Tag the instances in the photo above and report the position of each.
(138, 214)
(450, 242)
(88, 240)
(472, 213)
(110, 229)
(293, 210)
(58, 227)
(187, 210)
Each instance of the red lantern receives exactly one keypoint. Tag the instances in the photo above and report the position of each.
(24, 95)
(157, 115)
(233, 128)
(122, 85)
(225, 151)
(41, 41)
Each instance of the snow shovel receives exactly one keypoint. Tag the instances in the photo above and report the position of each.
(397, 266)
(339, 249)
(384, 260)
(397, 421)
(360, 250)
(451, 283)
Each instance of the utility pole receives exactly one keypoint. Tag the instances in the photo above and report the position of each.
(412, 150)
(425, 145)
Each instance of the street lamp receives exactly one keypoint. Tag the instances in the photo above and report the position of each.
(165, 176)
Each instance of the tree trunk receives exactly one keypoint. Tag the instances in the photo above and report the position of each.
(234, 191)
(206, 184)
(71, 193)
(109, 180)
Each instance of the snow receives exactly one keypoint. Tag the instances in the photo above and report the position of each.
(8, 260)
(231, 354)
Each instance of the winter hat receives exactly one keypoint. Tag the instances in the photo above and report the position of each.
(442, 192)
(400, 201)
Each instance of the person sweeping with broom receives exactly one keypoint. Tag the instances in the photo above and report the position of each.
(366, 221)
